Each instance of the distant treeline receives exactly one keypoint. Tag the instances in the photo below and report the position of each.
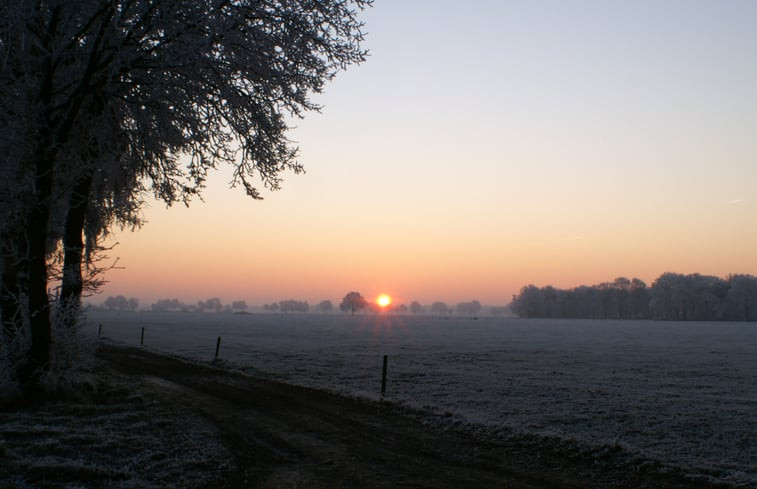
(121, 303)
(672, 296)
(292, 305)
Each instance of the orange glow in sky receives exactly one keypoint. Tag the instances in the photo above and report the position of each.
(565, 149)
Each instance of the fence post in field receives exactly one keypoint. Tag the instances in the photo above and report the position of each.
(383, 377)
(99, 330)
(218, 346)
(142, 338)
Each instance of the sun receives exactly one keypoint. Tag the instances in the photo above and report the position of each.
(383, 300)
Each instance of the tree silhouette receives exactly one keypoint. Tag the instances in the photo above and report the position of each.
(352, 302)
(469, 308)
(292, 305)
(672, 296)
(214, 304)
(121, 303)
(439, 308)
(103, 101)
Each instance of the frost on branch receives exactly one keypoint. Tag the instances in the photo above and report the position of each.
(105, 101)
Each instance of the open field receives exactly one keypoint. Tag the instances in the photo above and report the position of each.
(680, 394)
(152, 421)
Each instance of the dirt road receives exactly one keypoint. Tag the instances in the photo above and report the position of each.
(285, 436)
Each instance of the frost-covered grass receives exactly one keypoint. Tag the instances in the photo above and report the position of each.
(107, 436)
(682, 394)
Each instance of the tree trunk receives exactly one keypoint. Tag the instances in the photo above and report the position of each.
(39, 302)
(34, 263)
(9, 289)
(54, 131)
(73, 246)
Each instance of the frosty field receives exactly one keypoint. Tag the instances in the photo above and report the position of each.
(683, 394)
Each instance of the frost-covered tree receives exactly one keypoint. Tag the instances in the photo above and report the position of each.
(163, 305)
(238, 306)
(471, 308)
(121, 303)
(292, 305)
(672, 297)
(325, 306)
(439, 308)
(621, 298)
(212, 304)
(688, 297)
(415, 307)
(352, 302)
(639, 299)
(133, 304)
(529, 302)
(102, 101)
(740, 303)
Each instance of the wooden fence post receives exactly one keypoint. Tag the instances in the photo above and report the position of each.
(142, 338)
(99, 330)
(218, 346)
(383, 377)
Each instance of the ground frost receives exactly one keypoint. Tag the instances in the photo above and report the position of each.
(119, 442)
(680, 394)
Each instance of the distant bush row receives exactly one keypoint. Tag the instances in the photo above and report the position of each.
(672, 296)
(353, 302)
(121, 303)
(292, 305)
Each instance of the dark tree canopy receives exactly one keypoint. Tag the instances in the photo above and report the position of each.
(212, 304)
(103, 101)
(292, 305)
(672, 296)
(439, 308)
(325, 305)
(352, 302)
(121, 303)
(470, 308)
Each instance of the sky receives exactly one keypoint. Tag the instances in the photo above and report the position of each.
(484, 146)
